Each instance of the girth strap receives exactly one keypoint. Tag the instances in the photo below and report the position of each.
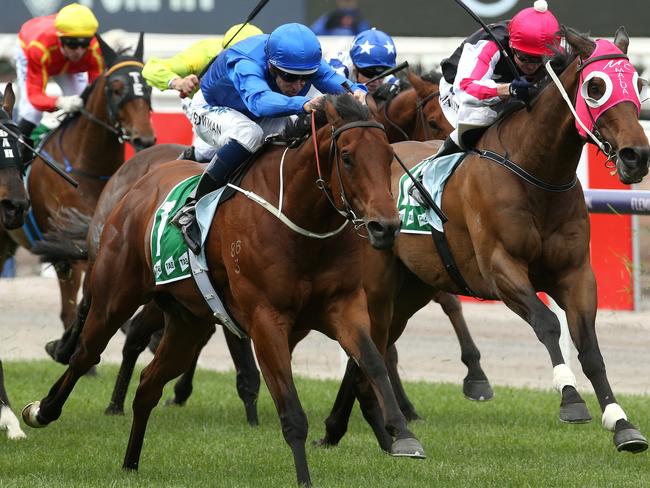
(442, 245)
(522, 173)
(212, 298)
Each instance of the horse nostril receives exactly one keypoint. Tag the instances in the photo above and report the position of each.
(634, 155)
(376, 228)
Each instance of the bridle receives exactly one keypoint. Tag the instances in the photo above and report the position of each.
(347, 212)
(134, 88)
(420, 103)
(10, 156)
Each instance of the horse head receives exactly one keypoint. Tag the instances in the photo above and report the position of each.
(127, 97)
(13, 197)
(360, 157)
(431, 123)
(608, 101)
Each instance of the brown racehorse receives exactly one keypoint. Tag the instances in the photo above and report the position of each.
(13, 203)
(150, 319)
(91, 146)
(488, 207)
(284, 282)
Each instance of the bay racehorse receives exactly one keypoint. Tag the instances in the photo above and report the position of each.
(91, 147)
(281, 282)
(13, 204)
(139, 329)
(514, 233)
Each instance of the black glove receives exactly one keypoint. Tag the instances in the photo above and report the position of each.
(521, 89)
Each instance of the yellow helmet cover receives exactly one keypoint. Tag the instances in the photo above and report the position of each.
(75, 20)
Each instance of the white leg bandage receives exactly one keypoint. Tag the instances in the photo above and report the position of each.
(563, 376)
(9, 421)
(612, 414)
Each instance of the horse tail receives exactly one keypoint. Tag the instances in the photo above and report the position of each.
(66, 238)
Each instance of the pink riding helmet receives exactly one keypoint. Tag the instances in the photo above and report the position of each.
(621, 84)
(534, 30)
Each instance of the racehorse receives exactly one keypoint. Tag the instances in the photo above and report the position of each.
(90, 145)
(13, 203)
(278, 282)
(490, 205)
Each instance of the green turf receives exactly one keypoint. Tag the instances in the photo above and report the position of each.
(514, 440)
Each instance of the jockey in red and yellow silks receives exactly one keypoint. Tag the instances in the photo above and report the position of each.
(61, 46)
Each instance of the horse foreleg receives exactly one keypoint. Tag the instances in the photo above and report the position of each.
(180, 344)
(69, 275)
(248, 376)
(269, 331)
(350, 323)
(475, 385)
(516, 291)
(142, 325)
(577, 296)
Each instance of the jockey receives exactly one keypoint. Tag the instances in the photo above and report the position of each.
(372, 53)
(477, 81)
(63, 46)
(181, 73)
(248, 93)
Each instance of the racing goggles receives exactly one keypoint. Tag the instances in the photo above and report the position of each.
(292, 77)
(75, 42)
(527, 58)
(371, 71)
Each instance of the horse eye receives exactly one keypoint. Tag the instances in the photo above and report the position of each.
(433, 125)
(596, 88)
(347, 159)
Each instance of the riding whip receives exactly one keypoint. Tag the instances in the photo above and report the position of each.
(505, 54)
(48, 162)
(248, 20)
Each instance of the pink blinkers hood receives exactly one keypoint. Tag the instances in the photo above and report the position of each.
(620, 79)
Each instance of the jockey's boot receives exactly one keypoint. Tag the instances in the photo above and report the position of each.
(448, 147)
(224, 163)
(26, 127)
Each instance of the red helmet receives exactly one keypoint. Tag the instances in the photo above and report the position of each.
(534, 30)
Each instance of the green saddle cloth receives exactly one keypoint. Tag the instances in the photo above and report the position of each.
(168, 248)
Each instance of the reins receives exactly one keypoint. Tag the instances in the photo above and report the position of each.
(420, 103)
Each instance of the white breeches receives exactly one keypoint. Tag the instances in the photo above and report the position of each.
(216, 126)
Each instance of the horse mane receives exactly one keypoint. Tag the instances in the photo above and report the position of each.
(348, 108)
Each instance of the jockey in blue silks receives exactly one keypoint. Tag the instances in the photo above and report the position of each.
(372, 53)
(249, 92)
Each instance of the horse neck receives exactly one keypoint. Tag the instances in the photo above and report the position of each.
(306, 204)
(547, 143)
(90, 147)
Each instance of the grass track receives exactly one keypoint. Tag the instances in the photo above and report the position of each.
(514, 440)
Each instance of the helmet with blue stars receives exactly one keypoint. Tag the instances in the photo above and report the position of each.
(294, 48)
(373, 48)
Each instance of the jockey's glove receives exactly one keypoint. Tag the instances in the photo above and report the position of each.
(69, 104)
(521, 89)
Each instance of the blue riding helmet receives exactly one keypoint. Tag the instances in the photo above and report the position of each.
(294, 48)
(373, 48)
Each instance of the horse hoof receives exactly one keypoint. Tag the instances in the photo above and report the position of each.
(477, 390)
(50, 348)
(172, 402)
(407, 448)
(324, 443)
(30, 415)
(630, 440)
(574, 413)
(114, 410)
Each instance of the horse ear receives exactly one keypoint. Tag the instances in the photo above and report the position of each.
(9, 99)
(621, 39)
(139, 50)
(333, 117)
(580, 43)
(107, 51)
(418, 84)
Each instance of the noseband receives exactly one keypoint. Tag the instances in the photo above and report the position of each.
(347, 212)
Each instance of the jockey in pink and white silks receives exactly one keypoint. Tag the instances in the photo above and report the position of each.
(372, 53)
(477, 81)
(250, 92)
